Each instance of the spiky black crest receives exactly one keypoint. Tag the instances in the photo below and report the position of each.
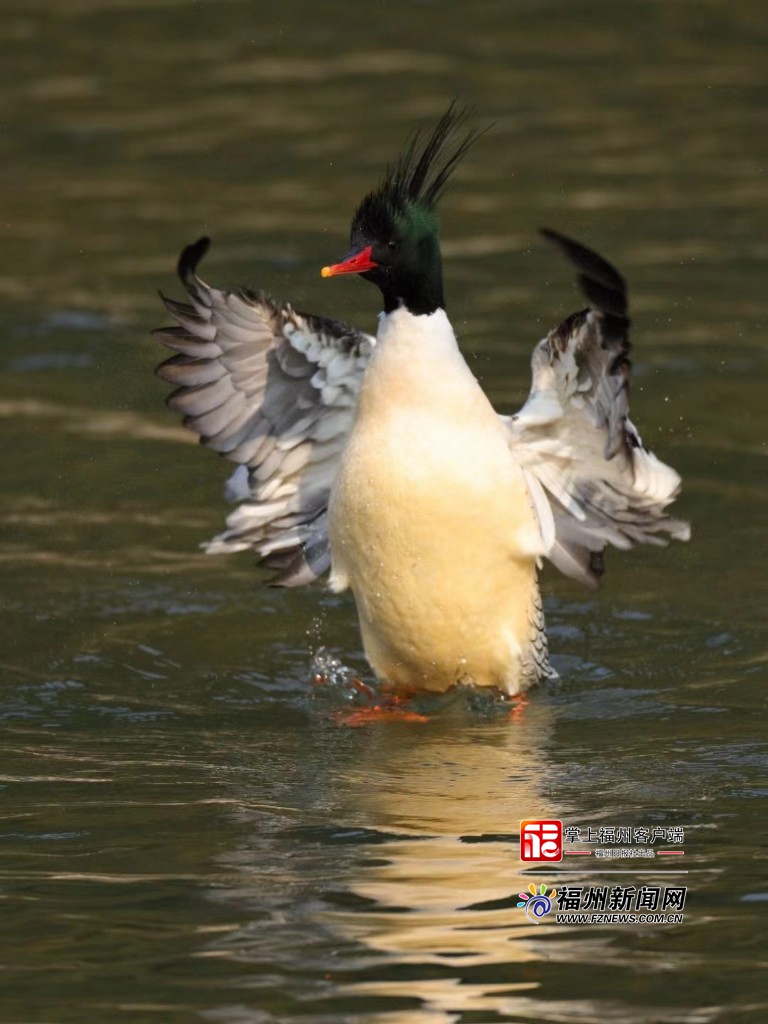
(419, 176)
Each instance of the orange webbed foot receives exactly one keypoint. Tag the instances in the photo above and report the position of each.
(519, 704)
(392, 709)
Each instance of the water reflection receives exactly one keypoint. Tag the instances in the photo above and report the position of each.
(430, 884)
(454, 802)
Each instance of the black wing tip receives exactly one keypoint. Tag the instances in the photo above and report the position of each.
(552, 236)
(600, 281)
(190, 257)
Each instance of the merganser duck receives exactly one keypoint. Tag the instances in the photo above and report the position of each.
(382, 459)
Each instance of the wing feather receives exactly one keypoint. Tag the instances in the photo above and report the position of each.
(574, 436)
(274, 391)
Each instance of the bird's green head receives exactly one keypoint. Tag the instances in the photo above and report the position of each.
(394, 234)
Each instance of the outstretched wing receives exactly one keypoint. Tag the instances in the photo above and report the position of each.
(275, 391)
(592, 481)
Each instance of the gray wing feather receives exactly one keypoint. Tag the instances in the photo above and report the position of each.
(274, 391)
(575, 438)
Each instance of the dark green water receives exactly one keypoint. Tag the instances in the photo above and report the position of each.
(185, 835)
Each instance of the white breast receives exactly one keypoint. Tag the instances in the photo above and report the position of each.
(430, 521)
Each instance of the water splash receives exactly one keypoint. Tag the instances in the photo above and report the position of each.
(335, 684)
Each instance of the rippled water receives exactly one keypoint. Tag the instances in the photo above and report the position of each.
(187, 831)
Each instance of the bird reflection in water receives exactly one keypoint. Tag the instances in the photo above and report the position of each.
(443, 890)
(421, 907)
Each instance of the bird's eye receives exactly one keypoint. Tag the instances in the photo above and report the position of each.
(391, 245)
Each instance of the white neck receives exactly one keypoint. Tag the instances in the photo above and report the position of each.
(416, 363)
(402, 329)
